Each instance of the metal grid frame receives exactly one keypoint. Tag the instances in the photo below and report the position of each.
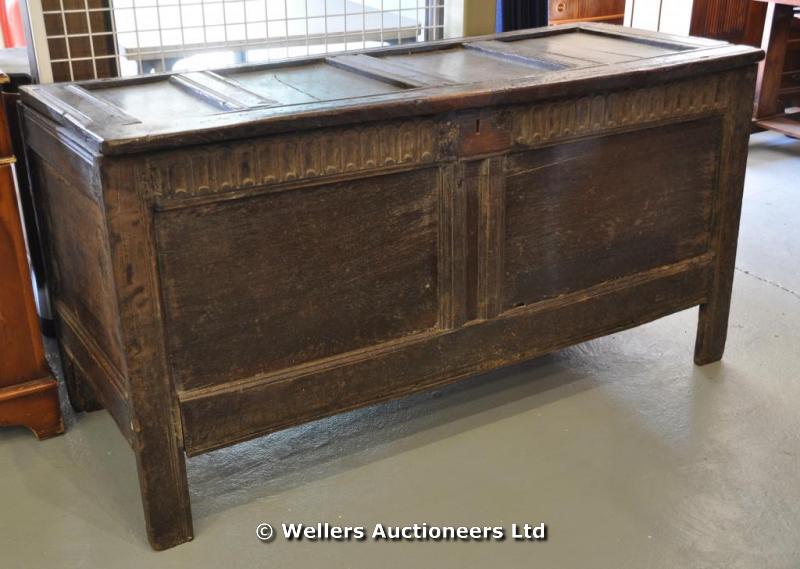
(155, 34)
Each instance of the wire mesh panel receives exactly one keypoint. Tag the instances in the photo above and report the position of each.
(80, 38)
(107, 38)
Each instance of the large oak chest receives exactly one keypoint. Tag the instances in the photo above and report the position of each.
(240, 251)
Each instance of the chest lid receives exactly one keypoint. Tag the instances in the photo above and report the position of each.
(115, 116)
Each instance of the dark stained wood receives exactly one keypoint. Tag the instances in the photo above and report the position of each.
(242, 410)
(314, 81)
(459, 65)
(228, 93)
(743, 22)
(595, 49)
(530, 54)
(157, 438)
(452, 247)
(378, 68)
(480, 133)
(383, 232)
(566, 232)
(28, 392)
(198, 124)
(736, 21)
(770, 70)
(373, 234)
(82, 273)
(79, 386)
(713, 325)
(491, 236)
(484, 188)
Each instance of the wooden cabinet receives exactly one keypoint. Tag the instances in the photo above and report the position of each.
(241, 251)
(28, 392)
(742, 21)
(571, 11)
(736, 21)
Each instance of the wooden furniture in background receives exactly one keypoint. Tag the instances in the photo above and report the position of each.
(742, 21)
(571, 11)
(14, 63)
(768, 113)
(734, 21)
(242, 251)
(28, 392)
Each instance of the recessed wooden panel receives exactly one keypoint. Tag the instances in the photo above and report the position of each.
(83, 278)
(582, 213)
(214, 418)
(466, 66)
(280, 279)
(309, 83)
(593, 48)
(156, 101)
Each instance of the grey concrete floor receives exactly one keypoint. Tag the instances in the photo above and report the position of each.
(633, 456)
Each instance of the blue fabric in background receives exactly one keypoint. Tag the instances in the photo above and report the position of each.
(521, 14)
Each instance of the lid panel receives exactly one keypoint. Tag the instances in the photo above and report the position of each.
(157, 101)
(468, 66)
(593, 48)
(309, 83)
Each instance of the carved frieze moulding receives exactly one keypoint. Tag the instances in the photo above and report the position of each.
(290, 157)
(542, 123)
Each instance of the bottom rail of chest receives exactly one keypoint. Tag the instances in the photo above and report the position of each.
(223, 415)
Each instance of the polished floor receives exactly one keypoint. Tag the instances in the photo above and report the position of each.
(634, 457)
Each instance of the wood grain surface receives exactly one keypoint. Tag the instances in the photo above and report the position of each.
(298, 248)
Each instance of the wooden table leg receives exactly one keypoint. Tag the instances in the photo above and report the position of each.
(776, 36)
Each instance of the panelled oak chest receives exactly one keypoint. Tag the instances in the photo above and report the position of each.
(239, 251)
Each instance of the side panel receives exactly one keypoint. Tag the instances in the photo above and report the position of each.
(84, 286)
(71, 211)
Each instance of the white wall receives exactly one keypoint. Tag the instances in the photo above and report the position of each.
(669, 16)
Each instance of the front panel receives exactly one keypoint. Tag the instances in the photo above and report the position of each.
(531, 228)
(275, 280)
(582, 213)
